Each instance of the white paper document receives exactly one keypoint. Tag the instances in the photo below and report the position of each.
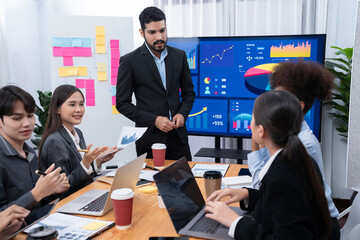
(199, 169)
(237, 181)
(128, 136)
(73, 226)
(147, 175)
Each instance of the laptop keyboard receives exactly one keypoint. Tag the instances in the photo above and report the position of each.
(97, 205)
(205, 225)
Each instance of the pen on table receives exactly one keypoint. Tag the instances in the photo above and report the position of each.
(101, 231)
(83, 150)
(152, 168)
(38, 172)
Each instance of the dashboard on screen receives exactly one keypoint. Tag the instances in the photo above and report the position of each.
(230, 72)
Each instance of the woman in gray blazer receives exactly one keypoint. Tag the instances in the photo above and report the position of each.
(61, 140)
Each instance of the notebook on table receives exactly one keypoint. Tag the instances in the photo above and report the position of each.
(97, 202)
(185, 203)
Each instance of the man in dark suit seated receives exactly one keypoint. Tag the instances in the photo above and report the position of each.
(155, 73)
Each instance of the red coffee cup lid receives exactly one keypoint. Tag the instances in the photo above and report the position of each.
(122, 194)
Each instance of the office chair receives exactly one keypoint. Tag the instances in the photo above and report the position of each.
(351, 229)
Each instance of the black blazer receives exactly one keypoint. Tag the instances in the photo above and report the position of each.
(280, 207)
(60, 149)
(138, 73)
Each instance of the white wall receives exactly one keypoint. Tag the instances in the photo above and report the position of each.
(340, 32)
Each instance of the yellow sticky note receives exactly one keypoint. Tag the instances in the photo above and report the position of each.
(63, 72)
(101, 67)
(82, 71)
(114, 110)
(100, 40)
(99, 31)
(147, 189)
(100, 48)
(101, 76)
(72, 71)
(94, 225)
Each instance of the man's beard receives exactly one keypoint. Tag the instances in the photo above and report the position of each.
(152, 46)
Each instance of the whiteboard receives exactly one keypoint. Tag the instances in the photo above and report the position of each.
(99, 125)
(353, 151)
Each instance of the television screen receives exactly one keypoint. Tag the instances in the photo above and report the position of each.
(230, 72)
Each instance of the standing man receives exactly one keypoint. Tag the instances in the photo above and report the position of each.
(156, 72)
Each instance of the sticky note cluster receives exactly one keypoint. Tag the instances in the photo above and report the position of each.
(72, 71)
(115, 57)
(71, 47)
(89, 86)
(100, 39)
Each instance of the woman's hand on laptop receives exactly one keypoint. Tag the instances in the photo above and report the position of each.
(220, 212)
(235, 195)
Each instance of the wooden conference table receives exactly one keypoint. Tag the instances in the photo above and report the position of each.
(148, 219)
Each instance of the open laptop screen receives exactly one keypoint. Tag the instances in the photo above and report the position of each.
(180, 192)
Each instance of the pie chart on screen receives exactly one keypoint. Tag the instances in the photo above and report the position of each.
(257, 78)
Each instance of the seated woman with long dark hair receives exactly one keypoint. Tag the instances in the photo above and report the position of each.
(290, 203)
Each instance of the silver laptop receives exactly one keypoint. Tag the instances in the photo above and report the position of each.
(97, 202)
(185, 203)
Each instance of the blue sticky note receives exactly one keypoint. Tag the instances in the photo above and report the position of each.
(86, 42)
(76, 42)
(113, 91)
(67, 42)
(57, 42)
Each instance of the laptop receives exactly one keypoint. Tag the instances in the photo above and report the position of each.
(185, 203)
(41, 213)
(97, 202)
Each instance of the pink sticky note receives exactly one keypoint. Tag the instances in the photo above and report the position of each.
(114, 62)
(114, 72)
(80, 83)
(90, 93)
(68, 61)
(86, 52)
(89, 84)
(77, 52)
(114, 43)
(90, 102)
(57, 51)
(113, 100)
(113, 80)
(115, 53)
(67, 51)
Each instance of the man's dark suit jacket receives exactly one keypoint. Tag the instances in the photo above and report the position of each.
(138, 73)
(280, 207)
(60, 149)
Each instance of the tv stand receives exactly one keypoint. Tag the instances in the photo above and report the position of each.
(218, 153)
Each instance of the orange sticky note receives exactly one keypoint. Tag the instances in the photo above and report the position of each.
(63, 72)
(100, 48)
(114, 110)
(101, 76)
(100, 31)
(82, 71)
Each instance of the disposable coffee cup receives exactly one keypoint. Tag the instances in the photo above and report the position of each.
(212, 180)
(122, 200)
(159, 151)
(43, 233)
